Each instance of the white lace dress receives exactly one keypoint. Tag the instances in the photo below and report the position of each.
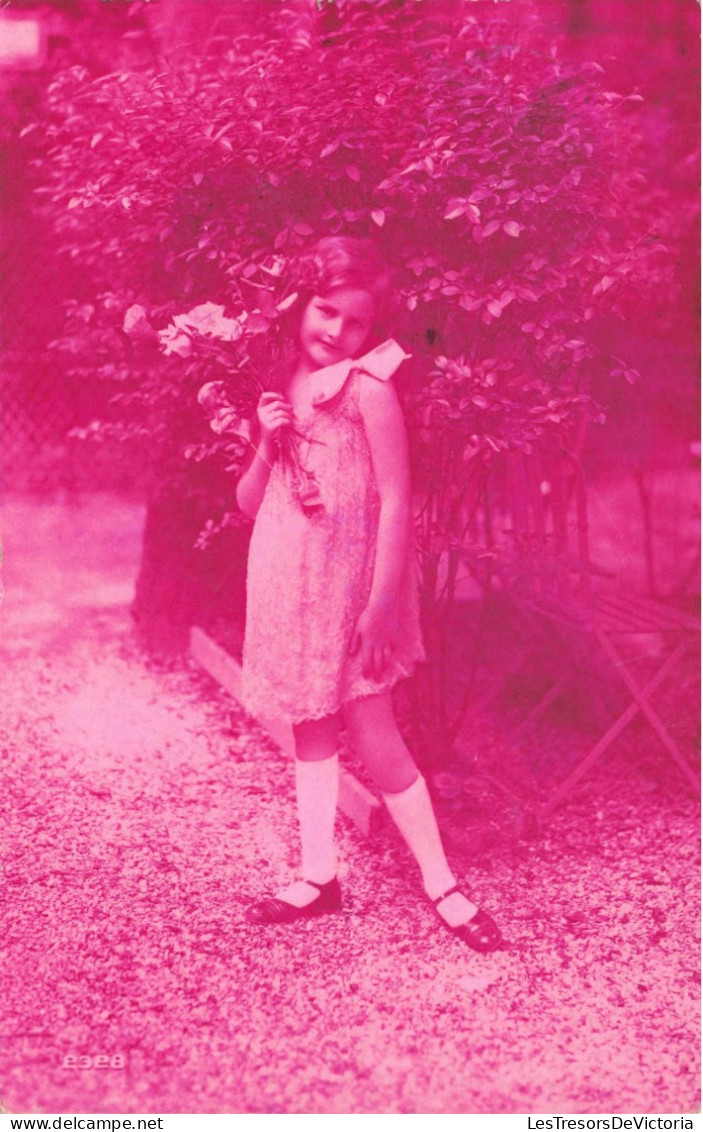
(309, 577)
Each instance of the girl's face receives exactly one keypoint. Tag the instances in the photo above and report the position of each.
(336, 325)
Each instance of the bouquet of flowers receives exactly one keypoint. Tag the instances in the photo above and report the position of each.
(206, 337)
(205, 333)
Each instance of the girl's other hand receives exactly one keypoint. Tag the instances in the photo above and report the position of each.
(374, 636)
(273, 412)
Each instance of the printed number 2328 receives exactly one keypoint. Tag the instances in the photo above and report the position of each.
(99, 1061)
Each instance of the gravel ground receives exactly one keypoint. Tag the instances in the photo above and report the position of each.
(143, 810)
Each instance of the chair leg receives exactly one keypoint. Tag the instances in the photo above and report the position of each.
(539, 708)
(611, 734)
(646, 708)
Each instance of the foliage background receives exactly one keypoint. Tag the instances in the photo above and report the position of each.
(540, 211)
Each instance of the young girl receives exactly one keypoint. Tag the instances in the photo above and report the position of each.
(332, 614)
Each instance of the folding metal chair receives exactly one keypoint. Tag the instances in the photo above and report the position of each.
(617, 618)
(542, 565)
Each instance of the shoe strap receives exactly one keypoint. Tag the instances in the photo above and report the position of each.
(319, 887)
(450, 891)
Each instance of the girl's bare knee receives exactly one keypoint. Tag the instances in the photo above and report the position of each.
(374, 734)
(369, 719)
(316, 739)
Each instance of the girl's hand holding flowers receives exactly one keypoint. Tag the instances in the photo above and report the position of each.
(374, 636)
(273, 413)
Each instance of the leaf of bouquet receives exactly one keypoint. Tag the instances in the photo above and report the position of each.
(257, 323)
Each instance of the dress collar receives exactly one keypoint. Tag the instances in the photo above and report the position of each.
(381, 363)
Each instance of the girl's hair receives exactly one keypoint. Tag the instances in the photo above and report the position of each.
(343, 261)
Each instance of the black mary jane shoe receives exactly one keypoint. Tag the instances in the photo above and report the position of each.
(273, 910)
(480, 932)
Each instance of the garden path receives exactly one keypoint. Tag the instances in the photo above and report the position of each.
(143, 811)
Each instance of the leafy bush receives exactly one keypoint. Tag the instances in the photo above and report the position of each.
(502, 183)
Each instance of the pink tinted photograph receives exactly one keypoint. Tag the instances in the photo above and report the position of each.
(350, 524)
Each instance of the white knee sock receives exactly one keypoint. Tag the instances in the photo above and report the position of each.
(412, 812)
(317, 788)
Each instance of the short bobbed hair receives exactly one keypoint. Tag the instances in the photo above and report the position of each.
(343, 261)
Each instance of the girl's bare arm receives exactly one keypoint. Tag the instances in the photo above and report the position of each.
(252, 483)
(387, 438)
(273, 412)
